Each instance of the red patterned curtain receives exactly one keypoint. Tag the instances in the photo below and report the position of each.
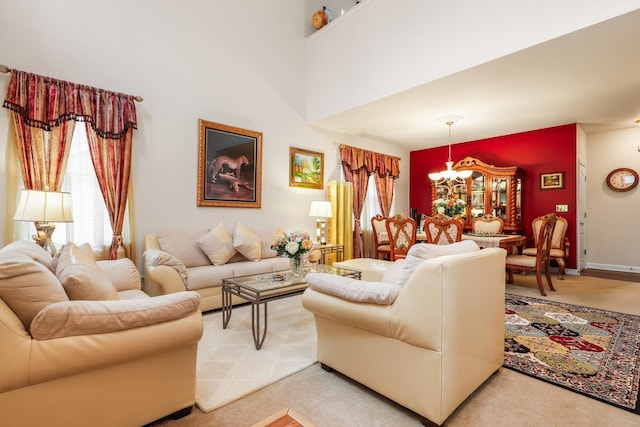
(45, 111)
(357, 165)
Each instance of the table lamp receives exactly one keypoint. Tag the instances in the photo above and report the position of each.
(43, 208)
(321, 210)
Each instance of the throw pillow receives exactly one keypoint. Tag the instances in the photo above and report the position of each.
(247, 242)
(217, 244)
(74, 318)
(81, 278)
(27, 286)
(353, 289)
(184, 247)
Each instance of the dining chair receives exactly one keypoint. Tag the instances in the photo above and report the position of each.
(443, 230)
(559, 243)
(487, 224)
(378, 224)
(402, 235)
(540, 262)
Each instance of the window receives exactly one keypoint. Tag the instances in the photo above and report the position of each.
(90, 218)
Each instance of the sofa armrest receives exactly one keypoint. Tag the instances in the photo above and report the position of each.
(163, 273)
(66, 356)
(72, 318)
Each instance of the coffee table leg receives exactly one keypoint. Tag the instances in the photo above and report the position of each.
(258, 339)
(226, 307)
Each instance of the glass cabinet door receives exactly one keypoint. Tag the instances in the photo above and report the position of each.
(499, 197)
(478, 194)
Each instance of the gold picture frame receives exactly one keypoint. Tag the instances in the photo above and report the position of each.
(229, 166)
(552, 181)
(306, 168)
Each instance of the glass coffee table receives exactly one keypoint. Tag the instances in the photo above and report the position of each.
(261, 288)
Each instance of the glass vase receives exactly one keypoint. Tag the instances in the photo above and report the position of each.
(297, 266)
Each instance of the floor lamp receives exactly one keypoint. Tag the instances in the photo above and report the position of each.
(43, 208)
(321, 210)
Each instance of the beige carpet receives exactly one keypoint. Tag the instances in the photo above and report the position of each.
(229, 366)
(506, 399)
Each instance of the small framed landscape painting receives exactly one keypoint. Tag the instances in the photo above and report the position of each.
(550, 181)
(229, 166)
(306, 168)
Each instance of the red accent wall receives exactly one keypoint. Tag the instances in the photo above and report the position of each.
(535, 152)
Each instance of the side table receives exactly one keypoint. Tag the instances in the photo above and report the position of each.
(328, 249)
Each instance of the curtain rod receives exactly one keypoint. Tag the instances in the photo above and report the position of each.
(5, 69)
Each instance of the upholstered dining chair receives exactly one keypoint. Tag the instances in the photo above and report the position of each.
(559, 243)
(540, 262)
(402, 235)
(487, 224)
(378, 224)
(442, 229)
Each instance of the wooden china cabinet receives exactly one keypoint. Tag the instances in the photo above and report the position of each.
(489, 190)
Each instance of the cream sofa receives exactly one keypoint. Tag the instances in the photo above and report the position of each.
(199, 260)
(425, 338)
(86, 347)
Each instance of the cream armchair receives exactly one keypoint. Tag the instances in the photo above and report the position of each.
(121, 359)
(429, 347)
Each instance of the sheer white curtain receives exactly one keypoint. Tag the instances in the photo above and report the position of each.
(90, 218)
(371, 208)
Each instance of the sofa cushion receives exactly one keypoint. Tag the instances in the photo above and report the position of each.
(122, 273)
(81, 277)
(208, 277)
(30, 249)
(86, 248)
(353, 289)
(394, 274)
(267, 236)
(217, 244)
(72, 318)
(27, 286)
(183, 246)
(247, 242)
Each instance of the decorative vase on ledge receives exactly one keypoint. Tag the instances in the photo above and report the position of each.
(297, 266)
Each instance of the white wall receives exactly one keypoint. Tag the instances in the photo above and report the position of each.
(384, 47)
(613, 234)
(240, 63)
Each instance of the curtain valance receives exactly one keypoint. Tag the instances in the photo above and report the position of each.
(356, 158)
(45, 103)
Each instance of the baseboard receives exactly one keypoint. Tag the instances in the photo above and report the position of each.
(612, 267)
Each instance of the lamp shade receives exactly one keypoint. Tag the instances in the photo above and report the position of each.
(321, 209)
(44, 206)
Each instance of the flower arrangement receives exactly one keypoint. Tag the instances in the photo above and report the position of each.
(449, 207)
(293, 244)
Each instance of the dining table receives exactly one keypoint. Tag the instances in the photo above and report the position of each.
(513, 243)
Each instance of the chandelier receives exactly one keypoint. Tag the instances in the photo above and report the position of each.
(449, 181)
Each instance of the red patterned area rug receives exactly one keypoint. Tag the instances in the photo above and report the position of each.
(586, 350)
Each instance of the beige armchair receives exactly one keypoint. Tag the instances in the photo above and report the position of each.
(429, 347)
(120, 359)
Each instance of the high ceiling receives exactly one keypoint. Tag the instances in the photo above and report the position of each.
(590, 77)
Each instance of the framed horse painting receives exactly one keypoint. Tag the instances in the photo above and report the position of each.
(229, 166)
